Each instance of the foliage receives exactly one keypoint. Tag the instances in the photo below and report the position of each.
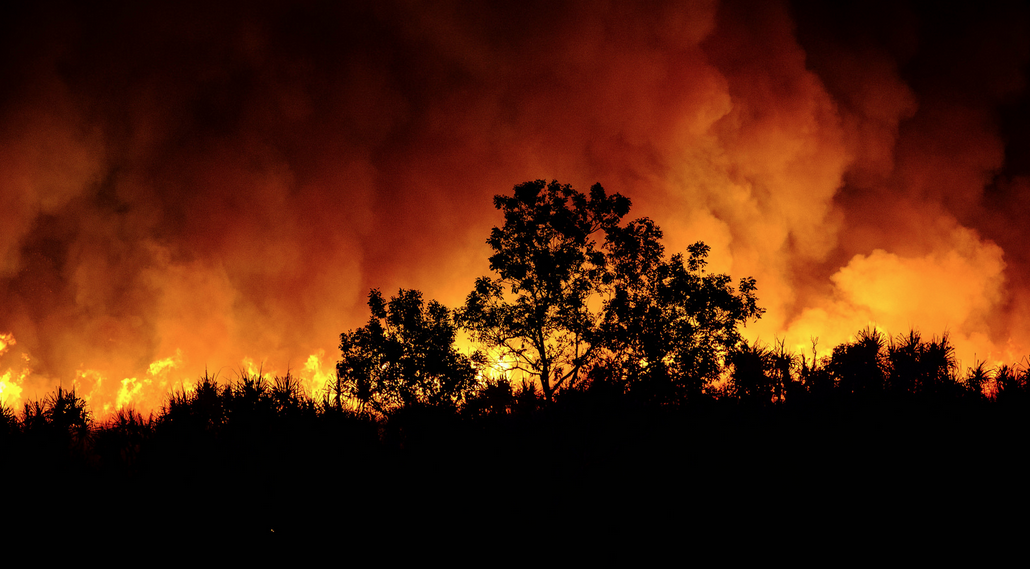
(669, 324)
(119, 440)
(548, 267)
(404, 356)
(753, 366)
(498, 397)
(1011, 385)
(63, 415)
(565, 302)
(860, 367)
(814, 377)
(977, 378)
(921, 367)
(201, 409)
(8, 420)
(904, 365)
(288, 399)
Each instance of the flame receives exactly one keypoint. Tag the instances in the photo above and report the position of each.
(232, 205)
(137, 392)
(160, 368)
(318, 375)
(10, 389)
(12, 380)
(250, 367)
(130, 388)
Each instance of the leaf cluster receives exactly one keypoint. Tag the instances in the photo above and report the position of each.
(577, 290)
(404, 356)
(537, 310)
(669, 325)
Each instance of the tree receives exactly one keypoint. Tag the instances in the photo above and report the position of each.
(859, 367)
(669, 325)
(977, 377)
(751, 378)
(563, 304)
(536, 311)
(917, 366)
(404, 356)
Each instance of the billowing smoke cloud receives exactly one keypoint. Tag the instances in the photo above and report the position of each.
(191, 187)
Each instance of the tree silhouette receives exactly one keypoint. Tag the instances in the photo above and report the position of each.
(815, 379)
(548, 266)
(669, 325)
(197, 411)
(119, 441)
(920, 367)
(565, 302)
(783, 365)
(8, 422)
(977, 377)
(404, 356)
(859, 367)
(1011, 384)
(754, 368)
(62, 416)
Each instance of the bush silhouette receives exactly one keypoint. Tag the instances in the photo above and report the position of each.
(404, 357)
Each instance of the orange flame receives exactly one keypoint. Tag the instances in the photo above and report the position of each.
(185, 220)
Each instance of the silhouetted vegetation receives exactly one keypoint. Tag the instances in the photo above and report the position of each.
(566, 308)
(404, 357)
(625, 378)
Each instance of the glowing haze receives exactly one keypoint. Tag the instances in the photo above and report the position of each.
(190, 187)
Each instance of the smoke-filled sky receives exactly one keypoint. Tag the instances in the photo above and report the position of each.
(192, 186)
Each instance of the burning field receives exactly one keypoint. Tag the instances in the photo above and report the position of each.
(188, 189)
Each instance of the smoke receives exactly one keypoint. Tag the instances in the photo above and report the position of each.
(188, 187)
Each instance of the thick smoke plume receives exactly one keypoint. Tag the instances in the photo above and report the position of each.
(192, 187)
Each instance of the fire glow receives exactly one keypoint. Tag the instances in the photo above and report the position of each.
(187, 191)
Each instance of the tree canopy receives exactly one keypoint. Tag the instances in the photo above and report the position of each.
(577, 296)
(668, 324)
(537, 310)
(404, 356)
(577, 290)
